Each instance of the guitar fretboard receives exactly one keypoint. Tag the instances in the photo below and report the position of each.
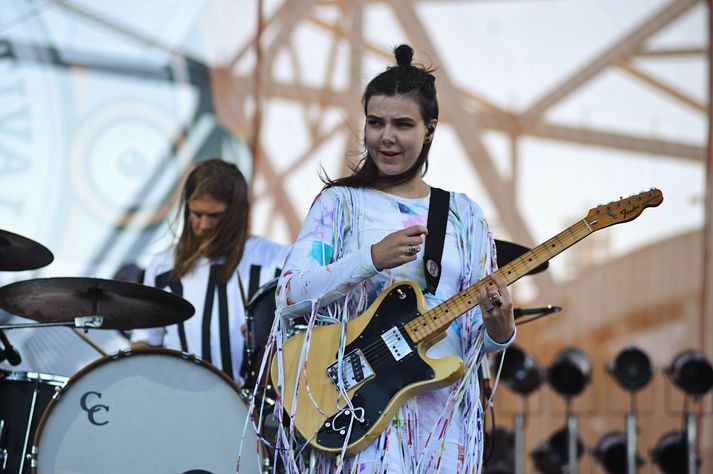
(438, 318)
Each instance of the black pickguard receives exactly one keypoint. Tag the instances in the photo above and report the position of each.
(396, 309)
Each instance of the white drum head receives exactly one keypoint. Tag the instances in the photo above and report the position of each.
(150, 412)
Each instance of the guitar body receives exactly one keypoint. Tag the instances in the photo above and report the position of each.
(393, 368)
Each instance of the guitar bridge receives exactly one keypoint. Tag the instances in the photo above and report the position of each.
(355, 369)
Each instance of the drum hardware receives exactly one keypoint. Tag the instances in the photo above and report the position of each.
(19, 253)
(111, 304)
(9, 353)
(3, 452)
(25, 396)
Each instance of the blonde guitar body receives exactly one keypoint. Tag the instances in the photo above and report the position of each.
(325, 422)
(385, 360)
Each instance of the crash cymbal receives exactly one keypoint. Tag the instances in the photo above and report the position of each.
(122, 304)
(20, 253)
(508, 251)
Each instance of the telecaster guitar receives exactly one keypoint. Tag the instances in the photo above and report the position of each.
(385, 361)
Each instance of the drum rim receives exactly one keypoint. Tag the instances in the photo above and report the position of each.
(20, 376)
(189, 357)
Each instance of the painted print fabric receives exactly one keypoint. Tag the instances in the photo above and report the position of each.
(330, 264)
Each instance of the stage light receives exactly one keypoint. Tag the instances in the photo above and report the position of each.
(631, 369)
(611, 453)
(671, 453)
(616, 451)
(570, 372)
(520, 372)
(551, 457)
(692, 373)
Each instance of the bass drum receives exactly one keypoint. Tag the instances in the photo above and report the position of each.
(152, 410)
(24, 395)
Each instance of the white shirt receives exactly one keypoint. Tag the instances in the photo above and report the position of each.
(203, 333)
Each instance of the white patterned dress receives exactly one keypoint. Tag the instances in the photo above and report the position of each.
(439, 431)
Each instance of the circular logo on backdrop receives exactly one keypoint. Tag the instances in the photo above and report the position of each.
(122, 168)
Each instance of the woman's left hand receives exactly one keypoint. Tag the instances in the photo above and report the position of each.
(496, 305)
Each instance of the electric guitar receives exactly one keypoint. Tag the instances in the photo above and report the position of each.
(385, 361)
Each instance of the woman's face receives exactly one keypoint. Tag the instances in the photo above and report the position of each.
(394, 133)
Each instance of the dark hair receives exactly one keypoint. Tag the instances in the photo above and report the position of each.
(403, 79)
(223, 182)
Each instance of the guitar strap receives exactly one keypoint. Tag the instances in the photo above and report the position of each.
(437, 220)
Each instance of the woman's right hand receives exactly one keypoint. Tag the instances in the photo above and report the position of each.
(396, 248)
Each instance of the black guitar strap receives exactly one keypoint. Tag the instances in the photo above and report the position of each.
(437, 220)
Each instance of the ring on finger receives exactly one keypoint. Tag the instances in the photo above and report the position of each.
(496, 299)
(413, 250)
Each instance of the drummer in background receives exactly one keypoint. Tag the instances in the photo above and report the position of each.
(213, 260)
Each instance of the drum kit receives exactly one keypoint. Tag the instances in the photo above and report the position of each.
(148, 410)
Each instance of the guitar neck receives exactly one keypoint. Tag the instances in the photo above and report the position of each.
(434, 320)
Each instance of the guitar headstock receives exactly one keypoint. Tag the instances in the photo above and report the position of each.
(623, 210)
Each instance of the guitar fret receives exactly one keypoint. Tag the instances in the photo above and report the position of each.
(574, 236)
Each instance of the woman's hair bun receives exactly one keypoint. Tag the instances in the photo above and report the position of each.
(404, 55)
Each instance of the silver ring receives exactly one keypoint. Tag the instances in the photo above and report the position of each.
(496, 299)
(413, 250)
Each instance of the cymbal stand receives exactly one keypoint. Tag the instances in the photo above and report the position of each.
(80, 322)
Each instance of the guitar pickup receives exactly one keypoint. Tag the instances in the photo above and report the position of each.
(355, 369)
(396, 343)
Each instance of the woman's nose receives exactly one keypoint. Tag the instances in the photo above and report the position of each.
(388, 135)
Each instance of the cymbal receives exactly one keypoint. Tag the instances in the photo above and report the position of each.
(508, 251)
(20, 253)
(123, 305)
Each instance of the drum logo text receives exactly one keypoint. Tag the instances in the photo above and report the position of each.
(92, 410)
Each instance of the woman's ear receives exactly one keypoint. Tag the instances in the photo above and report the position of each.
(430, 130)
